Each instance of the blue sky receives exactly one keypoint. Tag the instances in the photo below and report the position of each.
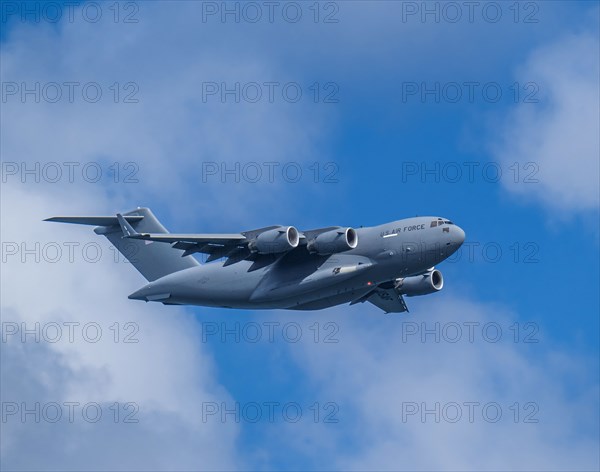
(371, 136)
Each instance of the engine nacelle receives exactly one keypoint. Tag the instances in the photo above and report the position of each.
(421, 284)
(275, 241)
(331, 242)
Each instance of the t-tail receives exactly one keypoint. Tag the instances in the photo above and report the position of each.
(152, 259)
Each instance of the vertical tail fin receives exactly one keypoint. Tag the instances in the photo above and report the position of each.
(152, 259)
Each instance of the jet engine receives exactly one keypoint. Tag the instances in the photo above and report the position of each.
(337, 240)
(275, 241)
(430, 282)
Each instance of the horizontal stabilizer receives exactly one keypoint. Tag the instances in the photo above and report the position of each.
(153, 261)
(94, 220)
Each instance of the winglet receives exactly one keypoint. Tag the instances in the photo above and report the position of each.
(128, 230)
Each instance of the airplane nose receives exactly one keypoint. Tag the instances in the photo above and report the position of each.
(460, 235)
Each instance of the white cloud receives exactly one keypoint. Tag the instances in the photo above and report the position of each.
(559, 135)
(168, 373)
(377, 369)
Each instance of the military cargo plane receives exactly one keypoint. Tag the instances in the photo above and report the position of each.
(280, 266)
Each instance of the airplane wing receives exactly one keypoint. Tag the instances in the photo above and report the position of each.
(94, 220)
(233, 246)
(215, 245)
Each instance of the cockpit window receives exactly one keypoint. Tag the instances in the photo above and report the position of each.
(440, 222)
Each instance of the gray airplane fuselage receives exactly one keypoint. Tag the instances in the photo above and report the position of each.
(297, 280)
